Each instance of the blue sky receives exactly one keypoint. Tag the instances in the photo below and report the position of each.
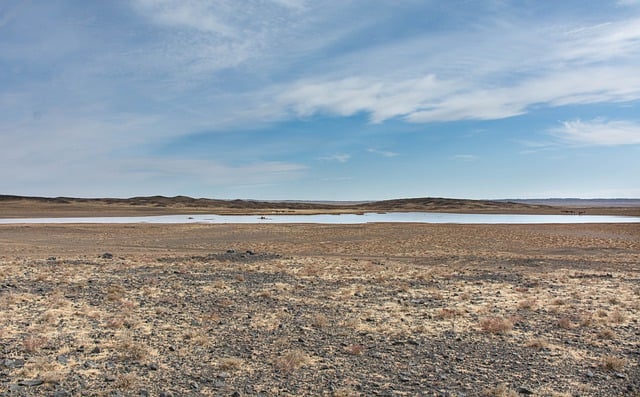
(334, 100)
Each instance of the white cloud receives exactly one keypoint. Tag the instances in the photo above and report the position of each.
(339, 157)
(599, 132)
(383, 153)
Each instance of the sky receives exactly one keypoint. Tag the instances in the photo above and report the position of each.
(320, 100)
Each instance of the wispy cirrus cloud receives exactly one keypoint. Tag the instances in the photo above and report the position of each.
(564, 67)
(465, 157)
(338, 157)
(599, 132)
(383, 153)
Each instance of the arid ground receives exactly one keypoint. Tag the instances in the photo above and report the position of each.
(335, 310)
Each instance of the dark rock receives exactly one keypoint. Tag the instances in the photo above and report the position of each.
(110, 378)
(235, 394)
(153, 366)
(32, 382)
(15, 363)
(61, 393)
(589, 374)
(194, 385)
(166, 394)
(620, 375)
(106, 255)
(525, 391)
(143, 393)
(95, 350)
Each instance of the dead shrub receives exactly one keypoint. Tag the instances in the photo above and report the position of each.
(537, 343)
(496, 325)
(565, 323)
(613, 363)
(501, 390)
(527, 304)
(230, 363)
(319, 320)
(33, 343)
(354, 349)
(606, 333)
(290, 361)
(617, 317)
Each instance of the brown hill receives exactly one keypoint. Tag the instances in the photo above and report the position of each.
(21, 206)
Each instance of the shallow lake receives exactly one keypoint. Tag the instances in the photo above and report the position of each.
(388, 217)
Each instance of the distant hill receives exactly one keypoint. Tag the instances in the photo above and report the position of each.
(583, 203)
(12, 206)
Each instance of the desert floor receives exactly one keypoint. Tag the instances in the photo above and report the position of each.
(378, 309)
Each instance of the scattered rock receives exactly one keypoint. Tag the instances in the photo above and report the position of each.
(106, 255)
(153, 366)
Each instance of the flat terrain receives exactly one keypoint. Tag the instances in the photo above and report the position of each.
(336, 310)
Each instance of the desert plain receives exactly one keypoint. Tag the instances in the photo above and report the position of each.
(319, 310)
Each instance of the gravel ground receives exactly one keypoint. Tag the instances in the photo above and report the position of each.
(556, 317)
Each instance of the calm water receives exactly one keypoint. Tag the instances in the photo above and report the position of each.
(402, 217)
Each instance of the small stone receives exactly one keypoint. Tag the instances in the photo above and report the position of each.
(589, 374)
(235, 394)
(32, 382)
(620, 375)
(166, 394)
(194, 385)
(106, 255)
(524, 390)
(95, 350)
(110, 378)
(61, 393)
(143, 393)
(153, 366)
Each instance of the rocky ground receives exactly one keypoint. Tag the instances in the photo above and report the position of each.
(248, 310)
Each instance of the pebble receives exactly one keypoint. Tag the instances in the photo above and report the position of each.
(61, 393)
(589, 374)
(153, 366)
(620, 375)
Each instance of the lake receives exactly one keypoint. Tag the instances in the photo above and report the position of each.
(388, 217)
